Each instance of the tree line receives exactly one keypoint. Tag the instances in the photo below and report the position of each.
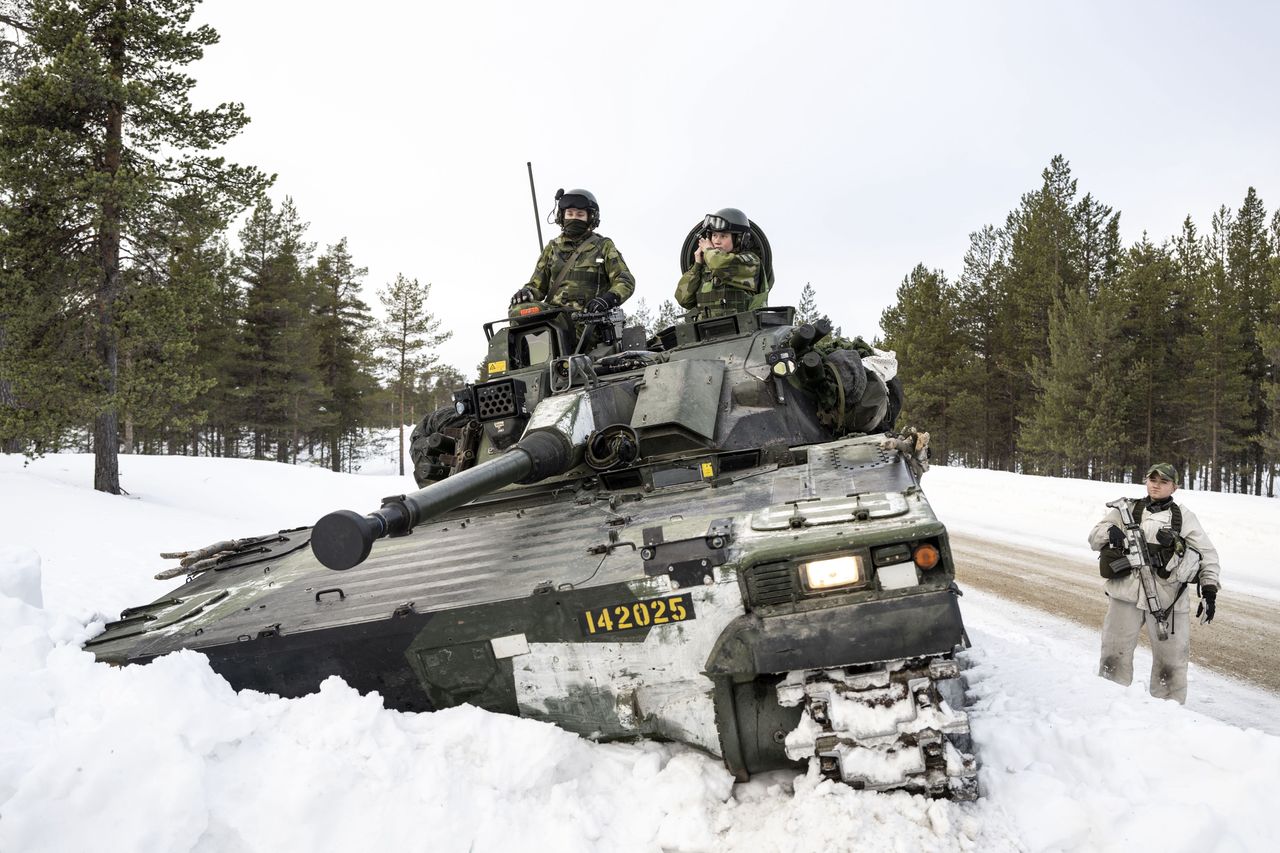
(1059, 350)
(126, 315)
(132, 317)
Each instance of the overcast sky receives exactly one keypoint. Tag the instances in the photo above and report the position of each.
(864, 138)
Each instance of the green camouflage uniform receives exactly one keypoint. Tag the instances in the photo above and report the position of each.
(597, 270)
(723, 283)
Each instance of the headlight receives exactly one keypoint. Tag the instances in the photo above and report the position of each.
(833, 572)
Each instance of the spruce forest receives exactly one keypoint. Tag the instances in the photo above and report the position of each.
(154, 299)
(135, 316)
(1060, 351)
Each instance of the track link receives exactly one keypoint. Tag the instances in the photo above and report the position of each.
(900, 726)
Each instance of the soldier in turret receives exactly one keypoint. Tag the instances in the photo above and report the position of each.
(726, 276)
(580, 269)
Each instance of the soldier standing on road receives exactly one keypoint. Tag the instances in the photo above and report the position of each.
(580, 270)
(1186, 556)
(726, 275)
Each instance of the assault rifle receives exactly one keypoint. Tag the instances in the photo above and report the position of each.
(1138, 558)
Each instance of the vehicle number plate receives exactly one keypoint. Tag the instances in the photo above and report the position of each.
(637, 614)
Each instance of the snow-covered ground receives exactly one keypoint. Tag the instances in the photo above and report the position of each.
(168, 758)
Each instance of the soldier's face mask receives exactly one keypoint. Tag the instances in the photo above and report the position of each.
(575, 227)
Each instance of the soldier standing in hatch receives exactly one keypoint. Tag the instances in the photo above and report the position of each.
(1187, 556)
(580, 270)
(726, 275)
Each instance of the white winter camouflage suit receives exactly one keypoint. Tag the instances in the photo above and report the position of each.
(1127, 610)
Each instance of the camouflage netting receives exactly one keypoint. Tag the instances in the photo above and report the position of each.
(855, 399)
(427, 467)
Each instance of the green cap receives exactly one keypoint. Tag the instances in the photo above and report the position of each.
(1164, 469)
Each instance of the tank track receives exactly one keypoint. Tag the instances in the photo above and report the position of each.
(900, 726)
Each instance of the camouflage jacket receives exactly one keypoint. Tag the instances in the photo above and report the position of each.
(597, 270)
(723, 283)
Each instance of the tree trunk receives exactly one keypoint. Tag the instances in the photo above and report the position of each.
(106, 438)
(1214, 463)
(401, 419)
(8, 443)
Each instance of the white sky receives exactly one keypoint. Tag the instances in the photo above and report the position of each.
(862, 137)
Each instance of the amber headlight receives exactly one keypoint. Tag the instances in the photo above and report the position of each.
(833, 572)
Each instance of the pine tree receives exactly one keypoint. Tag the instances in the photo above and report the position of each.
(281, 383)
(807, 311)
(1217, 387)
(1042, 264)
(435, 389)
(100, 140)
(222, 346)
(164, 374)
(407, 341)
(981, 295)
(668, 315)
(922, 327)
(1059, 432)
(641, 315)
(1249, 253)
(1268, 437)
(342, 329)
(1099, 237)
(1152, 301)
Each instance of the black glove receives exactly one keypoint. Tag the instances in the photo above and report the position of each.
(1208, 603)
(1168, 539)
(524, 294)
(1116, 537)
(603, 302)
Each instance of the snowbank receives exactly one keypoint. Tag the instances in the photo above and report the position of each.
(167, 757)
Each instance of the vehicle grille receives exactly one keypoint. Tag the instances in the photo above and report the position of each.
(771, 583)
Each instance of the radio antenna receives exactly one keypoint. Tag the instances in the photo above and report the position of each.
(536, 220)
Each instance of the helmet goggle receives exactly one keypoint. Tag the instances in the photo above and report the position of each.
(711, 222)
(578, 202)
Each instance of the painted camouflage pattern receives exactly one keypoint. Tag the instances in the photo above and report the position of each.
(594, 272)
(723, 283)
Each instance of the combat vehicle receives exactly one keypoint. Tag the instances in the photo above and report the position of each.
(707, 536)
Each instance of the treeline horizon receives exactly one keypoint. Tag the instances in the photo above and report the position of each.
(1059, 350)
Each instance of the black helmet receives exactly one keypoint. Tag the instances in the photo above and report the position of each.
(580, 199)
(732, 220)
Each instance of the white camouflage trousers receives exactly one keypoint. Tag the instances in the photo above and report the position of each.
(1169, 657)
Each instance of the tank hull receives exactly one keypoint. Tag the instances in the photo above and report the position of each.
(672, 612)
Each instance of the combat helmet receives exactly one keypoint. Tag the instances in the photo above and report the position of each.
(582, 200)
(732, 220)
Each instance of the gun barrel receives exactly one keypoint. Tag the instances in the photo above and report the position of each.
(343, 539)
